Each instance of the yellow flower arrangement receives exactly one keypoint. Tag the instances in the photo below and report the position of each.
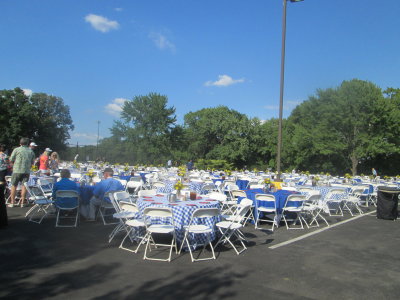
(228, 172)
(255, 170)
(316, 178)
(181, 171)
(126, 168)
(347, 176)
(34, 168)
(90, 173)
(178, 186)
(327, 174)
(76, 165)
(267, 181)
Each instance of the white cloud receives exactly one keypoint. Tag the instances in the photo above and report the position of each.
(115, 107)
(27, 92)
(162, 42)
(101, 23)
(118, 9)
(224, 80)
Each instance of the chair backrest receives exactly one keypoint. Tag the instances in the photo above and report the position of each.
(158, 184)
(241, 211)
(217, 196)
(205, 213)
(122, 196)
(158, 212)
(67, 199)
(231, 186)
(34, 192)
(268, 199)
(136, 179)
(238, 193)
(312, 199)
(142, 193)
(295, 200)
(208, 187)
(128, 206)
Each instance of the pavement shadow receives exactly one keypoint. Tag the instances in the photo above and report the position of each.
(215, 283)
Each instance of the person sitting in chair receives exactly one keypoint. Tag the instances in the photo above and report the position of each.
(65, 183)
(102, 188)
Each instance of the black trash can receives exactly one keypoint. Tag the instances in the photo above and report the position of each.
(388, 201)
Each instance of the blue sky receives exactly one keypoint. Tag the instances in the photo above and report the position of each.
(95, 54)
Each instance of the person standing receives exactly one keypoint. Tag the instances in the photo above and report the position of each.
(33, 146)
(374, 173)
(169, 163)
(22, 159)
(44, 162)
(54, 161)
(3, 208)
(4, 163)
(190, 165)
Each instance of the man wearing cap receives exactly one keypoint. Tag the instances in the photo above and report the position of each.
(44, 162)
(108, 184)
(22, 159)
(33, 146)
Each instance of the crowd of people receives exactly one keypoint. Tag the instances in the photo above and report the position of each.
(18, 165)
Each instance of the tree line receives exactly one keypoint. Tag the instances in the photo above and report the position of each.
(346, 129)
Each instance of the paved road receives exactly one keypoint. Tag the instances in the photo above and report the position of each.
(355, 260)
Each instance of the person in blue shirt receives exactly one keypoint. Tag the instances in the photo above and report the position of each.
(108, 184)
(190, 165)
(65, 184)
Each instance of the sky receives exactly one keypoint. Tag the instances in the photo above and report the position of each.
(97, 54)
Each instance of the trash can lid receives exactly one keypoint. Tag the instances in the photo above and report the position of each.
(388, 189)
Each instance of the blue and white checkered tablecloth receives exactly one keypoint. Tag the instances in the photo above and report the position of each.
(182, 212)
(169, 187)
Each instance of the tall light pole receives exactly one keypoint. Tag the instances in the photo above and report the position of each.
(279, 150)
(97, 144)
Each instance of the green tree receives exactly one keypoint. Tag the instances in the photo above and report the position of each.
(43, 118)
(335, 128)
(219, 133)
(146, 127)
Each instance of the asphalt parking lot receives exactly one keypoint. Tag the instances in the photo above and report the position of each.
(356, 259)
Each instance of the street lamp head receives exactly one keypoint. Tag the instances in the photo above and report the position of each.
(296, 0)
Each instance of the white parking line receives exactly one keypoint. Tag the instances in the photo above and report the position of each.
(318, 231)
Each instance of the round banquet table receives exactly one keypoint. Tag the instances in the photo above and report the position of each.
(182, 211)
(280, 200)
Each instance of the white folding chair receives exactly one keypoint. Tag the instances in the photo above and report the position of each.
(194, 228)
(231, 228)
(132, 224)
(117, 199)
(46, 185)
(41, 204)
(313, 208)
(266, 204)
(334, 201)
(67, 201)
(164, 214)
(353, 200)
(294, 206)
(107, 209)
(228, 207)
